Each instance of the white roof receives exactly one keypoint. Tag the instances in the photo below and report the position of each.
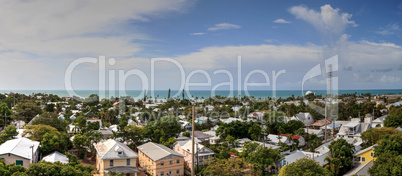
(351, 124)
(19, 147)
(56, 156)
(110, 148)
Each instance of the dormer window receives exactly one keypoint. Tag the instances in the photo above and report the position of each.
(120, 153)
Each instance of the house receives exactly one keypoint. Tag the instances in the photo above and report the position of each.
(256, 115)
(202, 136)
(56, 157)
(320, 123)
(209, 108)
(157, 159)
(20, 151)
(319, 133)
(116, 104)
(306, 118)
(355, 128)
(323, 148)
(230, 120)
(72, 129)
(204, 119)
(112, 155)
(361, 169)
(214, 139)
(92, 120)
(364, 156)
(186, 125)
(378, 122)
(185, 148)
(107, 134)
(291, 158)
(331, 126)
(151, 106)
(276, 139)
(300, 139)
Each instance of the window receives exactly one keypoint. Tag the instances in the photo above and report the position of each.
(372, 154)
(128, 162)
(119, 153)
(363, 159)
(178, 171)
(178, 161)
(161, 173)
(19, 162)
(162, 164)
(170, 162)
(111, 162)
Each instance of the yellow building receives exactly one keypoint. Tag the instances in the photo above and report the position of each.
(365, 155)
(115, 156)
(159, 160)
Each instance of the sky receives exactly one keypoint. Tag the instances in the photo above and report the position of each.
(284, 44)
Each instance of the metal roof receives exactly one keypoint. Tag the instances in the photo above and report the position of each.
(19, 147)
(110, 149)
(157, 151)
(56, 156)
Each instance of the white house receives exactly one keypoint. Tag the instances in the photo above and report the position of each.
(185, 125)
(355, 128)
(56, 156)
(306, 118)
(20, 151)
(379, 121)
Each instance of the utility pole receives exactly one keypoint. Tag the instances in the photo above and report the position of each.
(192, 143)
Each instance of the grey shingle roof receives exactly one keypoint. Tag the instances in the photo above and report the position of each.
(110, 148)
(157, 151)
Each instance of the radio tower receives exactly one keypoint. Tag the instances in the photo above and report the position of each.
(330, 79)
(326, 100)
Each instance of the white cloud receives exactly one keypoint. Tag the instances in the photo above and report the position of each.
(222, 26)
(280, 20)
(389, 29)
(70, 27)
(380, 44)
(389, 79)
(198, 33)
(328, 20)
(363, 77)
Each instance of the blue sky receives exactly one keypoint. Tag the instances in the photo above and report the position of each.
(40, 39)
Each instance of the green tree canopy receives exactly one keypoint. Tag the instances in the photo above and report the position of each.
(394, 118)
(51, 119)
(340, 157)
(389, 156)
(9, 133)
(304, 167)
(26, 111)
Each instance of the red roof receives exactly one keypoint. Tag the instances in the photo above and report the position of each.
(297, 137)
(94, 119)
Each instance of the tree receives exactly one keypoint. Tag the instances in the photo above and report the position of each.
(291, 127)
(186, 133)
(394, 118)
(314, 142)
(9, 133)
(4, 110)
(49, 137)
(225, 167)
(340, 156)
(51, 119)
(58, 169)
(304, 167)
(259, 156)
(26, 111)
(161, 130)
(389, 156)
(50, 107)
(375, 135)
(255, 132)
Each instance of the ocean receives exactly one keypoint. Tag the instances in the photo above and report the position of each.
(202, 94)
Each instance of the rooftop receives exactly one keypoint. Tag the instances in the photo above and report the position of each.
(157, 151)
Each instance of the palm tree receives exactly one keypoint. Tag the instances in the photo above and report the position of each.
(334, 164)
